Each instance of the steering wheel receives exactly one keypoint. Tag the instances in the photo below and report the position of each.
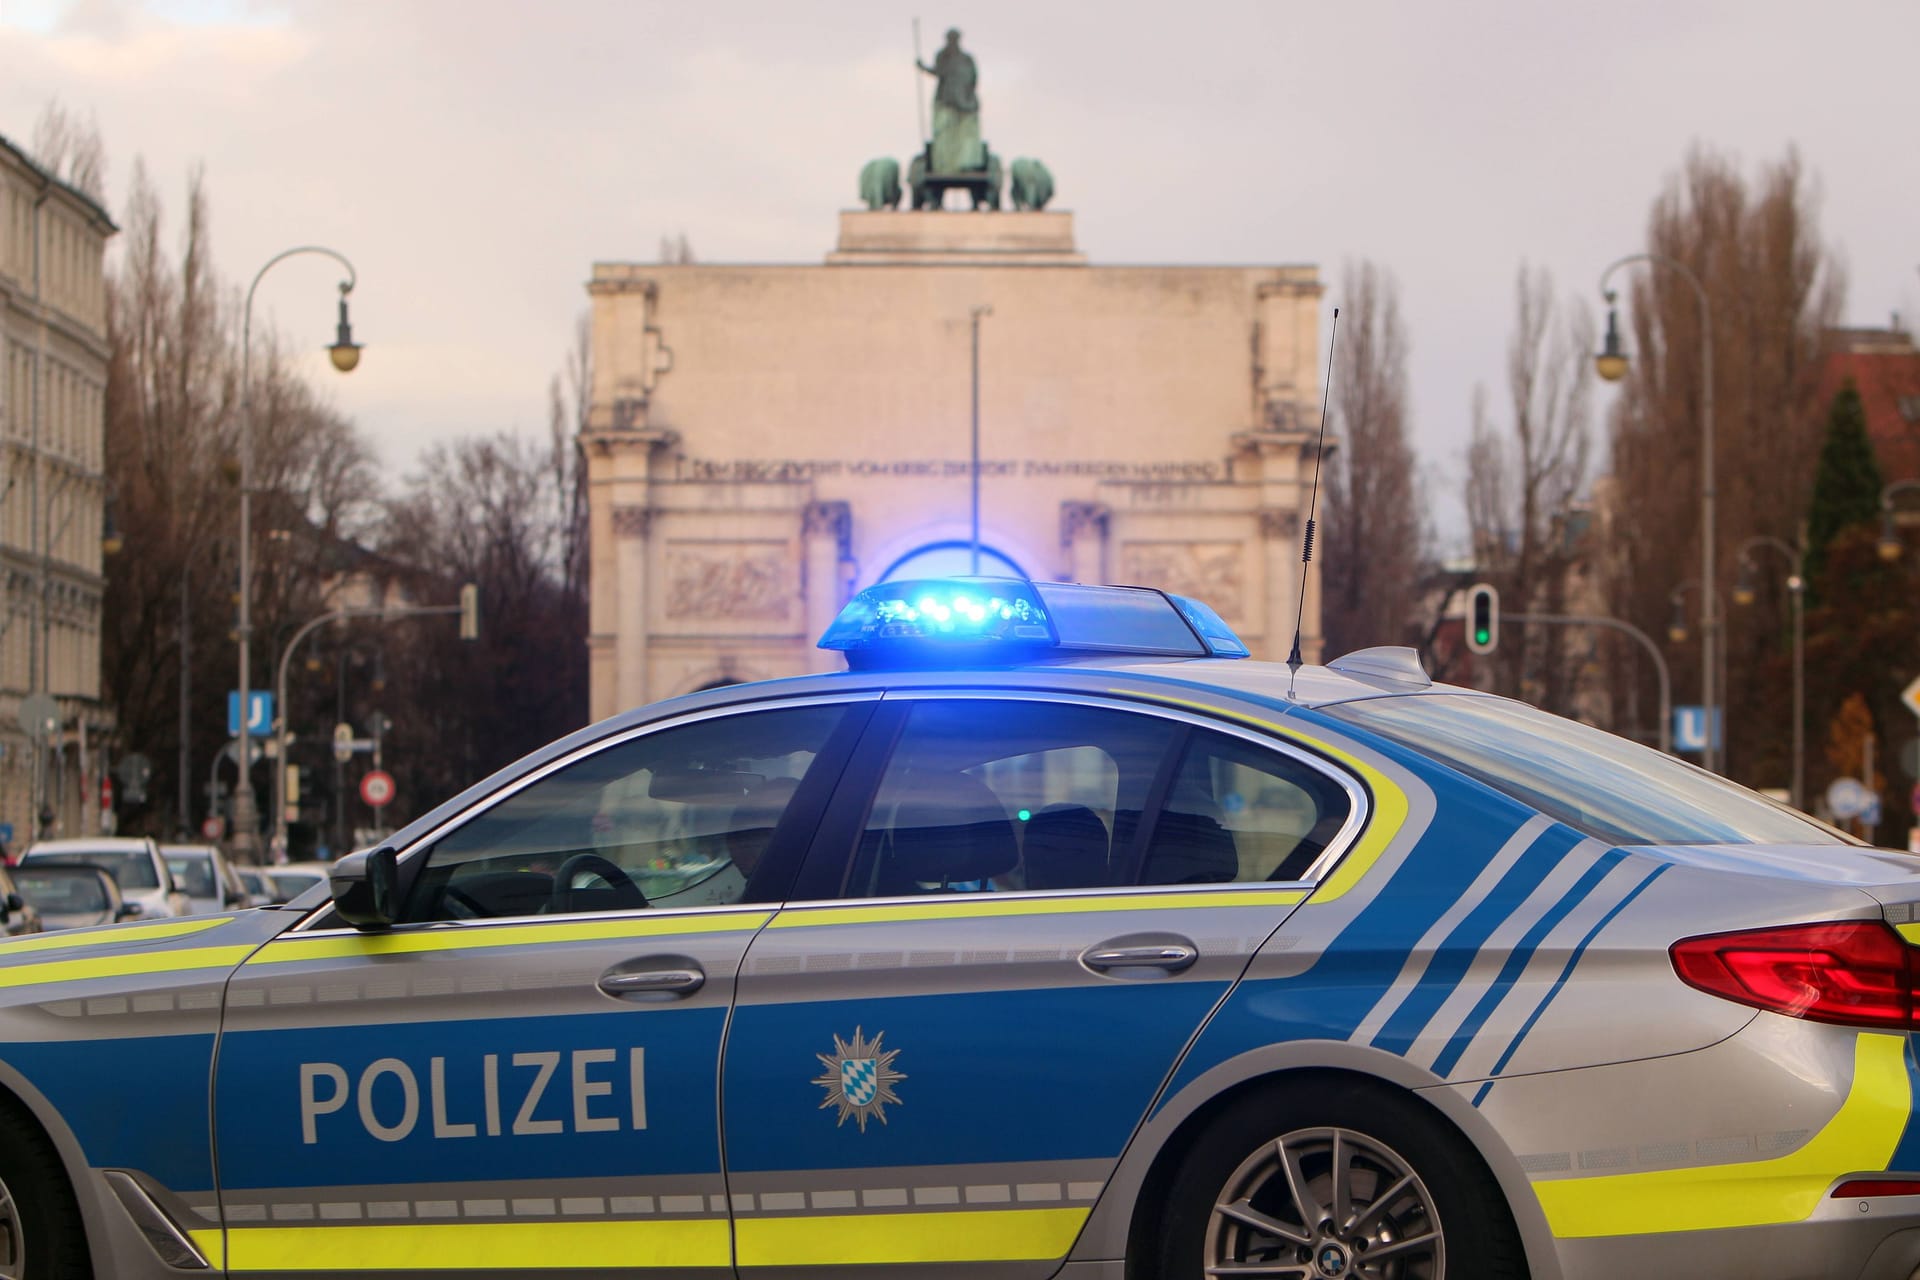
(625, 891)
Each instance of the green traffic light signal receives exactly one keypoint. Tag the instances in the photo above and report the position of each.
(1483, 612)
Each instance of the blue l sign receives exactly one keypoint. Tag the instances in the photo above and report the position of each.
(1690, 728)
(259, 712)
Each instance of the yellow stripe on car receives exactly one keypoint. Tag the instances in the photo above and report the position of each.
(291, 948)
(1911, 932)
(123, 966)
(996, 1235)
(475, 1246)
(158, 931)
(1752, 1193)
(968, 907)
(1389, 801)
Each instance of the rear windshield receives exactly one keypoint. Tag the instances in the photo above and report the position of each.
(61, 891)
(193, 873)
(1606, 786)
(130, 868)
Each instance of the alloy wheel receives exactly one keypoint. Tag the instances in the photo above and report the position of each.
(1325, 1204)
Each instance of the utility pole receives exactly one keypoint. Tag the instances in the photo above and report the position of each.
(974, 469)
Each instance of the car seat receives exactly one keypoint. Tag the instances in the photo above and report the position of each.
(1066, 848)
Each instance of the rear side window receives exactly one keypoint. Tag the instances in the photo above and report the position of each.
(984, 797)
(1236, 812)
(1612, 789)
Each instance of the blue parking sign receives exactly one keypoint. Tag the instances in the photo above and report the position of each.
(1690, 728)
(259, 711)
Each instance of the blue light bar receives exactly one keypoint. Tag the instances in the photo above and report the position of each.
(941, 615)
(1213, 629)
(942, 621)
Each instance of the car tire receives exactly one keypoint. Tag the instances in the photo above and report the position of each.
(38, 1212)
(1232, 1198)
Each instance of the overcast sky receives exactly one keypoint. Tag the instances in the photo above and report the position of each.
(474, 157)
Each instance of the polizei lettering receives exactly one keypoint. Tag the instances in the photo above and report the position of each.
(521, 1094)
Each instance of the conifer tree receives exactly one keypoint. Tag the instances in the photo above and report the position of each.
(1846, 487)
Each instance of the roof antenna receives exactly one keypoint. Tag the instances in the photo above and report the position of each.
(1306, 551)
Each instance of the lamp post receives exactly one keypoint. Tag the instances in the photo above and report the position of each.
(1890, 546)
(1611, 364)
(974, 468)
(345, 353)
(1743, 595)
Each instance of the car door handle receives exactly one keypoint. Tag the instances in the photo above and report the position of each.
(672, 980)
(1169, 955)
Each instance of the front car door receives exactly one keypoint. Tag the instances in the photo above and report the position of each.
(522, 1075)
(1024, 908)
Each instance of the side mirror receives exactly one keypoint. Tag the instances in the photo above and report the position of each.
(366, 888)
(127, 911)
(15, 902)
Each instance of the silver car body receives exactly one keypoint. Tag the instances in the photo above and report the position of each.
(465, 1097)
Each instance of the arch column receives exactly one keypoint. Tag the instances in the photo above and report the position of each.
(826, 538)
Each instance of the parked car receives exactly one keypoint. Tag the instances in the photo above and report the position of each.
(73, 896)
(207, 878)
(282, 884)
(19, 914)
(133, 861)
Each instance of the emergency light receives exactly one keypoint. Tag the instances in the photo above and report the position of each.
(1004, 620)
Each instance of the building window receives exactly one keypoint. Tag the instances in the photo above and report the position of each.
(952, 560)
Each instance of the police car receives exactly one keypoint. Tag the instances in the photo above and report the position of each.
(1053, 937)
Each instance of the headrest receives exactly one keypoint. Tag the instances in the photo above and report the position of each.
(1066, 848)
(951, 826)
(750, 825)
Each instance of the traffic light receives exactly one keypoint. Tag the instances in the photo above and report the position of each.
(470, 612)
(1483, 618)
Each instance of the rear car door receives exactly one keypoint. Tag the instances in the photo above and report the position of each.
(1022, 909)
(523, 1074)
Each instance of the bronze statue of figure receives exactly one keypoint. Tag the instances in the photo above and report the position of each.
(957, 147)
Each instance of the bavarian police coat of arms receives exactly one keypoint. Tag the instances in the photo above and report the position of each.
(859, 1078)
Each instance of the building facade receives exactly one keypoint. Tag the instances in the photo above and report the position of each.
(53, 378)
(764, 440)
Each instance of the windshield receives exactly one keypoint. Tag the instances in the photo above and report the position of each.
(130, 868)
(1606, 786)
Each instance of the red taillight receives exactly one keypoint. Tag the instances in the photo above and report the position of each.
(1856, 972)
(1861, 1188)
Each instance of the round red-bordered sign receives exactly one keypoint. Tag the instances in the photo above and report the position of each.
(376, 788)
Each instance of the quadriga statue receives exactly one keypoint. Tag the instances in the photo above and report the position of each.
(880, 183)
(1032, 184)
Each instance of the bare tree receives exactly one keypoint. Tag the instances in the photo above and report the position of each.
(71, 149)
(491, 511)
(1774, 290)
(1523, 478)
(1375, 536)
(172, 435)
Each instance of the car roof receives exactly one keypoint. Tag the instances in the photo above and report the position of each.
(193, 850)
(91, 844)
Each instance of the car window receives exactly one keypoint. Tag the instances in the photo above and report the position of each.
(1596, 782)
(62, 891)
(130, 868)
(678, 817)
(982, 796)
(1237, 812)
(193, 876)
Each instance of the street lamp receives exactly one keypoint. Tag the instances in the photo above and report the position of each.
(1890, 546)
(1611, 364)
(1743, 595)
(345, 354)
